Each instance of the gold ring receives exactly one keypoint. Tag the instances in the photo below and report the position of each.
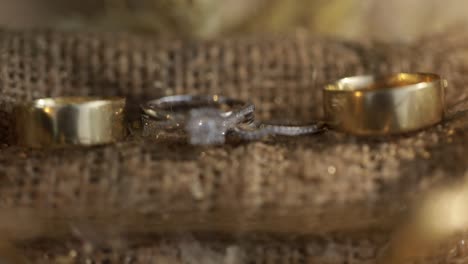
(61, 121)
(369, 105)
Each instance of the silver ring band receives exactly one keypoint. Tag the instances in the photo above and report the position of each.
(166, 108)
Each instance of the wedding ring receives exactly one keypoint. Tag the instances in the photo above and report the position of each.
(399, 103)
(61, 121)
(206, 118)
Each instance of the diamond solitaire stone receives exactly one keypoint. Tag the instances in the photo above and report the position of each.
(206, 126)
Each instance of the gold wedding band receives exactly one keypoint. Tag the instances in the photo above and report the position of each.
(61, 121)
(368, 105)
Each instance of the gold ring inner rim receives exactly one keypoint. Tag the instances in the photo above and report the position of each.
(382, 83)
(73, 100)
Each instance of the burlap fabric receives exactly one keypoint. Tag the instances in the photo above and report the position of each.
(328, 198)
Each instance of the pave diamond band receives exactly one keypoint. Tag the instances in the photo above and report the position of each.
(263, 130)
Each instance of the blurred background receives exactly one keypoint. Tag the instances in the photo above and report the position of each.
(395, 20)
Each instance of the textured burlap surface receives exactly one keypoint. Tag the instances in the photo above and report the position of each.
(138, 199)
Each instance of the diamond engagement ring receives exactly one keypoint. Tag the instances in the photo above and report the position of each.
(205, 118)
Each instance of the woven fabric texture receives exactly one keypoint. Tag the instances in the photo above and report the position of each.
(321, 187)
